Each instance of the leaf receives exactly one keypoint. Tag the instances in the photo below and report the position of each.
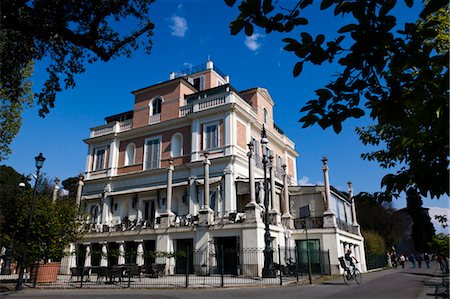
(230, 2)
(306, 37)
(267, 6)
(248, 29)
(431, 7)
(347, 28)
(324, 93)
(320, 39)
(337, 127)
(326, 4)
(298, 68)
(300, 21)
(409, 3)
(236, 26)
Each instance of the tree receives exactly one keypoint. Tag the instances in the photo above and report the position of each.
(400, 79)
(422, 229)
(375, 243)
(440, 245)
(54, 226)
(67, 34)
(378, 216)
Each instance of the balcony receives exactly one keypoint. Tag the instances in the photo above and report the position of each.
(109, 128)
(205, 103)
(313, 222)
(154, 119)
(348, 227)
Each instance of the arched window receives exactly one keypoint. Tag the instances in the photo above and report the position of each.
(156, 106)
(176, 145)
(266, 116)
(129, 154)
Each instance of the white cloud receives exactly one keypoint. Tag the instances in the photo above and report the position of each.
(188, 65)
(252, 41)
(304, 181)
(433, 211)
(179, 26)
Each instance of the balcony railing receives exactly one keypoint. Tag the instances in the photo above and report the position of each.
(203, 104)
(228, 217)
(348, 227)
(109, 128)
(313, 222)
(153, 119)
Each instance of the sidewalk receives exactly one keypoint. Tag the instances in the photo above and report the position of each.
(436, 286)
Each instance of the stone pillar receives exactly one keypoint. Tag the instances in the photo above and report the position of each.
(121, 257)
(329, 219)
(79, 189)
(261, 194)
(274, 212)
(168, 217)
(88, 258)
(140, 253)
(354, 219)
(55, 190)
(252, 209)
(206, 214)
(104, 256)
(286, 218)
(251, 173)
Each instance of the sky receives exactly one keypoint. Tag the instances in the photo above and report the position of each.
(186, 34)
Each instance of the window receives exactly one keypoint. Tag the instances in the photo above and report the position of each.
(176, 145)
(156, 106)
(211, 135)
(152, 153)
(266, 116)
(99, 159)
(129, 154)
(198, 83)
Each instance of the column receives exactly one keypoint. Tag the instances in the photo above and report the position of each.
(87, 257)
(274, 212)
(140, 253)
(79, 189)
(168, 217)
(261, 194)
(104, 256)
(251, 174)
(206, 164)
(140, 209)
(206, 214)
(252, 209)
(329, 219)
(121, 257)
(286, 218)
(55, 190)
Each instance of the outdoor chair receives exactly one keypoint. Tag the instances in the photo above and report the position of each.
(102, 272)
(80, 272)
(134, 271)
(159, 269)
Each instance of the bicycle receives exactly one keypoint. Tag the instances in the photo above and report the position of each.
(350, 274)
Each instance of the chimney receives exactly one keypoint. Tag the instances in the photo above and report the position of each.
(172, 76)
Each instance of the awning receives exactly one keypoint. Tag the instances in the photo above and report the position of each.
(145, 189)
(212, 180)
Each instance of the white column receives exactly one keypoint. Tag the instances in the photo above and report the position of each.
(87, 258)
(350, 192)
(251, 174)
(326, 183)
(79, 189)
(285, 197)
(261, 194)
(121, 258)
(140, 209)
(104, 256)
(55, 190)
(140, 254)
(206, 164)
(169, 186)
(272, 184)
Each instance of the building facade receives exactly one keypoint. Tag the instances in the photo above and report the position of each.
(183, 171)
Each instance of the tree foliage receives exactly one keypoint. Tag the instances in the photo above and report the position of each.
(440, 244)
(399, 78)
(375, 243)
(422, 229)
(54, 225)
(66, 34)
(378, 216)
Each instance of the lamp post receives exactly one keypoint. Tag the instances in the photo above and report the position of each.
(269, 269)
(39, 163)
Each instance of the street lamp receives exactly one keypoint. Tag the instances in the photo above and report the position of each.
(268, 269)
(39, 163)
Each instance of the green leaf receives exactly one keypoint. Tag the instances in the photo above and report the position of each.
(298, 68)
(431, 7)
(248, 29)
(236, 26)
(409, 3)
(326, 4)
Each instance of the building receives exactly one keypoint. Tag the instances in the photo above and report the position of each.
(148, 171)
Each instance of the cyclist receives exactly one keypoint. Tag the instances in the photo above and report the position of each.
(350, 258)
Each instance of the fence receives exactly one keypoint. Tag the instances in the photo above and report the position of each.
(375, 261)
(212, 267)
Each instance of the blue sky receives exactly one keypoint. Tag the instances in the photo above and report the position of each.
(186, 34)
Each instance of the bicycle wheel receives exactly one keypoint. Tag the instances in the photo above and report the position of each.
(347, 277)
(358, 277)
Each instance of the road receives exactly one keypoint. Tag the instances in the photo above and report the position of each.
(392, 283)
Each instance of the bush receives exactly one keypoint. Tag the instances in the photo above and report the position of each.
(375, 243)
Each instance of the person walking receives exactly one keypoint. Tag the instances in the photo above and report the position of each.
(402, 260)
(426, 258)
(394, 260)
(419, 261)
(412, 259)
